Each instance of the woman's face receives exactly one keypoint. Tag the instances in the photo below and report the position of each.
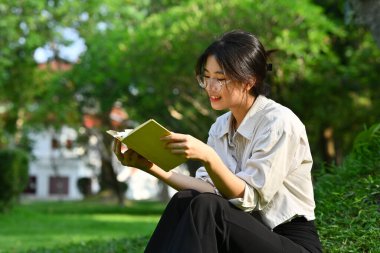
(231, 95)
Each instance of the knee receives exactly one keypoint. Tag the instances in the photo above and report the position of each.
(182, 199)
(185, 194)
(208, 201)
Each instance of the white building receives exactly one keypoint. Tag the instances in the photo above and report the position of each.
(57, 165)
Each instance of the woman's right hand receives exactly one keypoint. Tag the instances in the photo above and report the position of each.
(130, 157)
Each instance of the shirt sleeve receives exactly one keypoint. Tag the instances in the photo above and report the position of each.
(268, 165)
(249, 200)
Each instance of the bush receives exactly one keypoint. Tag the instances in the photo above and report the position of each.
(14, 167)
(84, 186)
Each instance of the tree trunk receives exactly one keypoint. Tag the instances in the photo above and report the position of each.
(367, 12)
(108, 178)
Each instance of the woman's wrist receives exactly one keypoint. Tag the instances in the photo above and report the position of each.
(208, 155)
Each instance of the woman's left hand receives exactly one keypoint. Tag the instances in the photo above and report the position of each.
(188, 146)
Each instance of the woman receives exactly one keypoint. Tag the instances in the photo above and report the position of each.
(254, 192)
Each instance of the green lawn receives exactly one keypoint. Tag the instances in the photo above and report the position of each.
(61, 224)
(348, 214)
(348, 217)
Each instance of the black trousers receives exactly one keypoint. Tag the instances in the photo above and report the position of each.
(196, 222)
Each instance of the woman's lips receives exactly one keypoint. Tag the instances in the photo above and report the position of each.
(215, 98)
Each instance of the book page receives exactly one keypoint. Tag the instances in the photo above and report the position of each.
(120, 135)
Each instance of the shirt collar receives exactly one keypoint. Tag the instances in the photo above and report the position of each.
(246, 127)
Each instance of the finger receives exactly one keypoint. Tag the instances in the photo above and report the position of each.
(174, 137)
(114, 146)
(176, 145)
(118, 148)
(132, 157)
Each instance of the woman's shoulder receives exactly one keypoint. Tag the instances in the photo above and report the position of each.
(281, 116)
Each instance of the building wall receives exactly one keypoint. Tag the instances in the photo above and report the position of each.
(56, 167)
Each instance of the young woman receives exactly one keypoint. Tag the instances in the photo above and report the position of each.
(254, 192)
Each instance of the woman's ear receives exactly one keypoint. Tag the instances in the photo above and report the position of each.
(249, 85)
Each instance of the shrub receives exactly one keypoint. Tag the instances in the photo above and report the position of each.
(84, 186)
(365, 156)
(14, 167)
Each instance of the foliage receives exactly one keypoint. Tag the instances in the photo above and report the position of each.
(355, 99)
(365, 156)
(36, 96)
(366, 13)
(25, 91)
(348, 201)
(14, 169)
(318, 71)
(138, 63)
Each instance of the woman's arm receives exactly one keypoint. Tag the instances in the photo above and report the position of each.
(179, 181)
(227, 183)
(173, 179)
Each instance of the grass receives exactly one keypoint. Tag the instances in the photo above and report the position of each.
(347, 214)
(40, 227)
(348, 199)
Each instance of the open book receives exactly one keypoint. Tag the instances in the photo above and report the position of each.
(145, 140)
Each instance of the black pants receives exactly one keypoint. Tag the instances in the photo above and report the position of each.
(194, 222)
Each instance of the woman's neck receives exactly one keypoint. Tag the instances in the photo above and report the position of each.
(240, 112)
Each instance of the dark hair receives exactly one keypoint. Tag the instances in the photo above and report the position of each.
(241, 56)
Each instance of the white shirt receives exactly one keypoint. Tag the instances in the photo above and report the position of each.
(270, 152)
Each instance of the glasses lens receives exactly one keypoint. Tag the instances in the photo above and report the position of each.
(218, 85)
(201, 81)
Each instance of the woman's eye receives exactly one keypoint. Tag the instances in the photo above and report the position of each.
(221, 79)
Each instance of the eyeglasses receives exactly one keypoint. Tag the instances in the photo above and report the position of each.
(215, 83)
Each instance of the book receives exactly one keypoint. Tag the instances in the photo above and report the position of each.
(145, 140)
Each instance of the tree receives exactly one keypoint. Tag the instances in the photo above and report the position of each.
(28, 94)
(357, 76)
(366, 13)
(159, 56)
(151, 68)
(31, 97)
(99, 71)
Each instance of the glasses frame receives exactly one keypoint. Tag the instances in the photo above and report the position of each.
(203, 83)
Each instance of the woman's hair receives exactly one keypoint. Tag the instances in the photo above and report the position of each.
(241, 56)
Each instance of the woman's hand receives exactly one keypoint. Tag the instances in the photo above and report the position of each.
(188, 146)
(130, 157)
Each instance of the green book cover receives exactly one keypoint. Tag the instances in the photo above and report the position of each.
(145, 140)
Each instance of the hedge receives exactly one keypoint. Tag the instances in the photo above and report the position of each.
(14, 167)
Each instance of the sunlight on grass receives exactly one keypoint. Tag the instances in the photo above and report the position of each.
(51, 225)
(123, 218)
